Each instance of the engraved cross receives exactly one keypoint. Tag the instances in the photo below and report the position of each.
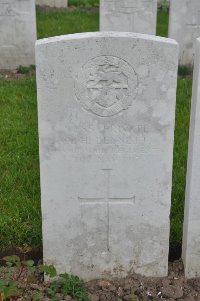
(107, 201)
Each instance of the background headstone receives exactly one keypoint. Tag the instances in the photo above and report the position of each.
(17, 33)
(184, 27)
(164, 3)
(106, 124)
(191, 237)
(53, 3)
(128, 15)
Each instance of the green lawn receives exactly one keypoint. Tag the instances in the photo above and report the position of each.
(19, 177)
(180, 157)
(20, 219)
(59, 22)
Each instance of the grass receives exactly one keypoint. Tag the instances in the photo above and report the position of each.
(58, 22)
(20, 219)
(180, 157)
(162, 21)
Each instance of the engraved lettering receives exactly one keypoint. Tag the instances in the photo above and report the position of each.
(6, 9)
(195, 16)
(127, 6)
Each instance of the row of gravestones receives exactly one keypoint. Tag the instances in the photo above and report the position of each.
(18, 25)
(106, 106)
(64, 3)
(140, 16)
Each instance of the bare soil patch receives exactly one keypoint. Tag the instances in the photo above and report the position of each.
(10, 75)
(135, 287)
(132, 288)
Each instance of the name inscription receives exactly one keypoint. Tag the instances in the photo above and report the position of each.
(129, 6)
(194, 20)
(83, 139)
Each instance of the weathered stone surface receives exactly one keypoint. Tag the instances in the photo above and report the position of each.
(53, 3)
(165, 3)
(128, 15)
(184, 27)
(17, 33)
(191, 237)
(106, 121)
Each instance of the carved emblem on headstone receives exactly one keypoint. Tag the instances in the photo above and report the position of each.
(126, 6)
(106, 86)
(6, 9)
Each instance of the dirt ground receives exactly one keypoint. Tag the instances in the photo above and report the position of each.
(133, 288)
(14, 74)
(173, 287)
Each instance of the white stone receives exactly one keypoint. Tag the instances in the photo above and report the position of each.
(53, 3)
(184, 27)
(163, 3)
(106, 122)
(17, 33)
(128, 15)
(191, 237)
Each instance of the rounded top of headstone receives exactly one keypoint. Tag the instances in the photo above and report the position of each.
(105, 34)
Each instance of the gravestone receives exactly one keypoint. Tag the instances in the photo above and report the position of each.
(164, 3)
(53, 3)
(17, 33)
(106, 121)
(184, 27)
(128, 15)
(191, 237)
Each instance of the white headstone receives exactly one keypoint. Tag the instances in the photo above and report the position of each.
(191, 237)
(106, 122)
(164, 3)
(128, 15)
(184, 27)
(53, 3)
(17, 33)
